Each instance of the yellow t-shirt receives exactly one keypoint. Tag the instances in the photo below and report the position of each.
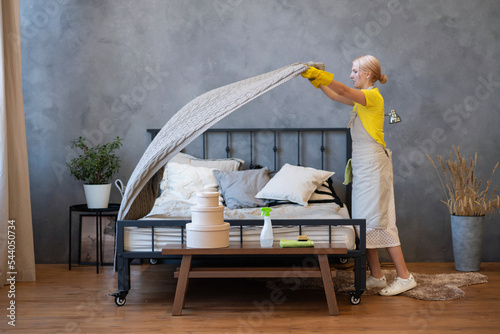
(372, 115)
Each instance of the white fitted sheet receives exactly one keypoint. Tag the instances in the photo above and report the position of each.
(140, 238)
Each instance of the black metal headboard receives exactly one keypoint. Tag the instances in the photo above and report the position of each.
(274, 137)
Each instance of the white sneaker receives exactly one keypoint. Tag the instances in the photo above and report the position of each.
(372, 282)
(399, 285)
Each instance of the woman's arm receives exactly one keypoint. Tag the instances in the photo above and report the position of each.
(335, 90)
(347, 93)
(334, 96)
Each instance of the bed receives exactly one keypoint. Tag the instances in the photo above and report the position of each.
(304, 200)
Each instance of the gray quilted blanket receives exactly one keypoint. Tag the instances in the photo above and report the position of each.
(188, 123)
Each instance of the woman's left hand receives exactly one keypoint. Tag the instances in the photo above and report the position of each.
(310, 73)
(319, 77)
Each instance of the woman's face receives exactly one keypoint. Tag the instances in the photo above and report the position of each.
(359, 77)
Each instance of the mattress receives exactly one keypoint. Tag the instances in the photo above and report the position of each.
(139, 239)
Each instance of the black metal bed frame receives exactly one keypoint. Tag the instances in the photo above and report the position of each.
(124, 258)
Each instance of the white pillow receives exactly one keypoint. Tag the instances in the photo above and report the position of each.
(294, 183)
(227, 165)
(184, 181)
(181, 158)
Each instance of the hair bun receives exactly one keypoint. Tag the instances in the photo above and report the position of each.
(383, 78)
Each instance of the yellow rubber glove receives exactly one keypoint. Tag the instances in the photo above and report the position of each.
(319, 77)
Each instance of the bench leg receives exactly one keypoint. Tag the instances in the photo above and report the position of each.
(182, 284)
(326, 276)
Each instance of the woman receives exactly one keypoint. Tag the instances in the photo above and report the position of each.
(373, 192)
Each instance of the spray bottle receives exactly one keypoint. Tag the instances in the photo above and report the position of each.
(266, 236)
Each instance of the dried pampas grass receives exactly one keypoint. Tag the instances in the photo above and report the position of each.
(462, 189)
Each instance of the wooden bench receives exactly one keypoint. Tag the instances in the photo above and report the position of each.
(186, 271)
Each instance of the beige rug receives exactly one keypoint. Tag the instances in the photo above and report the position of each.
(430, 286)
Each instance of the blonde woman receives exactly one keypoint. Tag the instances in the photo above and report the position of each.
(373, 192)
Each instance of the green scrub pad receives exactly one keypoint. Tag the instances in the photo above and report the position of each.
(295, 243)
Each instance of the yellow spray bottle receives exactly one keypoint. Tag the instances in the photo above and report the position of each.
(266, 236)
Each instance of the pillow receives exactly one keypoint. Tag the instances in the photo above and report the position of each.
(325, 193)
(239, 188)
(294, 183)
(184, 181)
(230, 164)
(181, 158)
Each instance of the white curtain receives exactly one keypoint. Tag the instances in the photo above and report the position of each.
(16, 231)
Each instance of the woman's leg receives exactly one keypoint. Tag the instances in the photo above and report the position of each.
(374, 262)
(396, 254)
(405, 280)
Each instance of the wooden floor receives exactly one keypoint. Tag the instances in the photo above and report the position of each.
(77, 301)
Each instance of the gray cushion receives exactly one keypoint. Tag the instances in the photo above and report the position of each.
(240, 187)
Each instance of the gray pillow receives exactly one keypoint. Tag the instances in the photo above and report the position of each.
(240, 187)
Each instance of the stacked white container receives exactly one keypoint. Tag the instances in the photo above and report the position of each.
(207, 228)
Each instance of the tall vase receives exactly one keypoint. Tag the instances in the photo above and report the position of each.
(467, 233)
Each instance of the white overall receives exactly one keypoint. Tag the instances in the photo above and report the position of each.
(372, 187)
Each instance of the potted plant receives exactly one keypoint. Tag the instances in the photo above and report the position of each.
(468, 203)
(95, 166)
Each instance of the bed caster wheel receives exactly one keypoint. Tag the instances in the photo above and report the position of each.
(120, 301)
(343, 260)
(355, 300)
(153, 261)
(120, 297)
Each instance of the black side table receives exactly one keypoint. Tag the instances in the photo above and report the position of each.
(112, 207)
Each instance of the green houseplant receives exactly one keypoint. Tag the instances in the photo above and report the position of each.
(468, 203)
(95, 166)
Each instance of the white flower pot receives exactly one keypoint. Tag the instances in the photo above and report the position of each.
(97, 195)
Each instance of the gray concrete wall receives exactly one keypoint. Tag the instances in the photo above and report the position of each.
(117, 67)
